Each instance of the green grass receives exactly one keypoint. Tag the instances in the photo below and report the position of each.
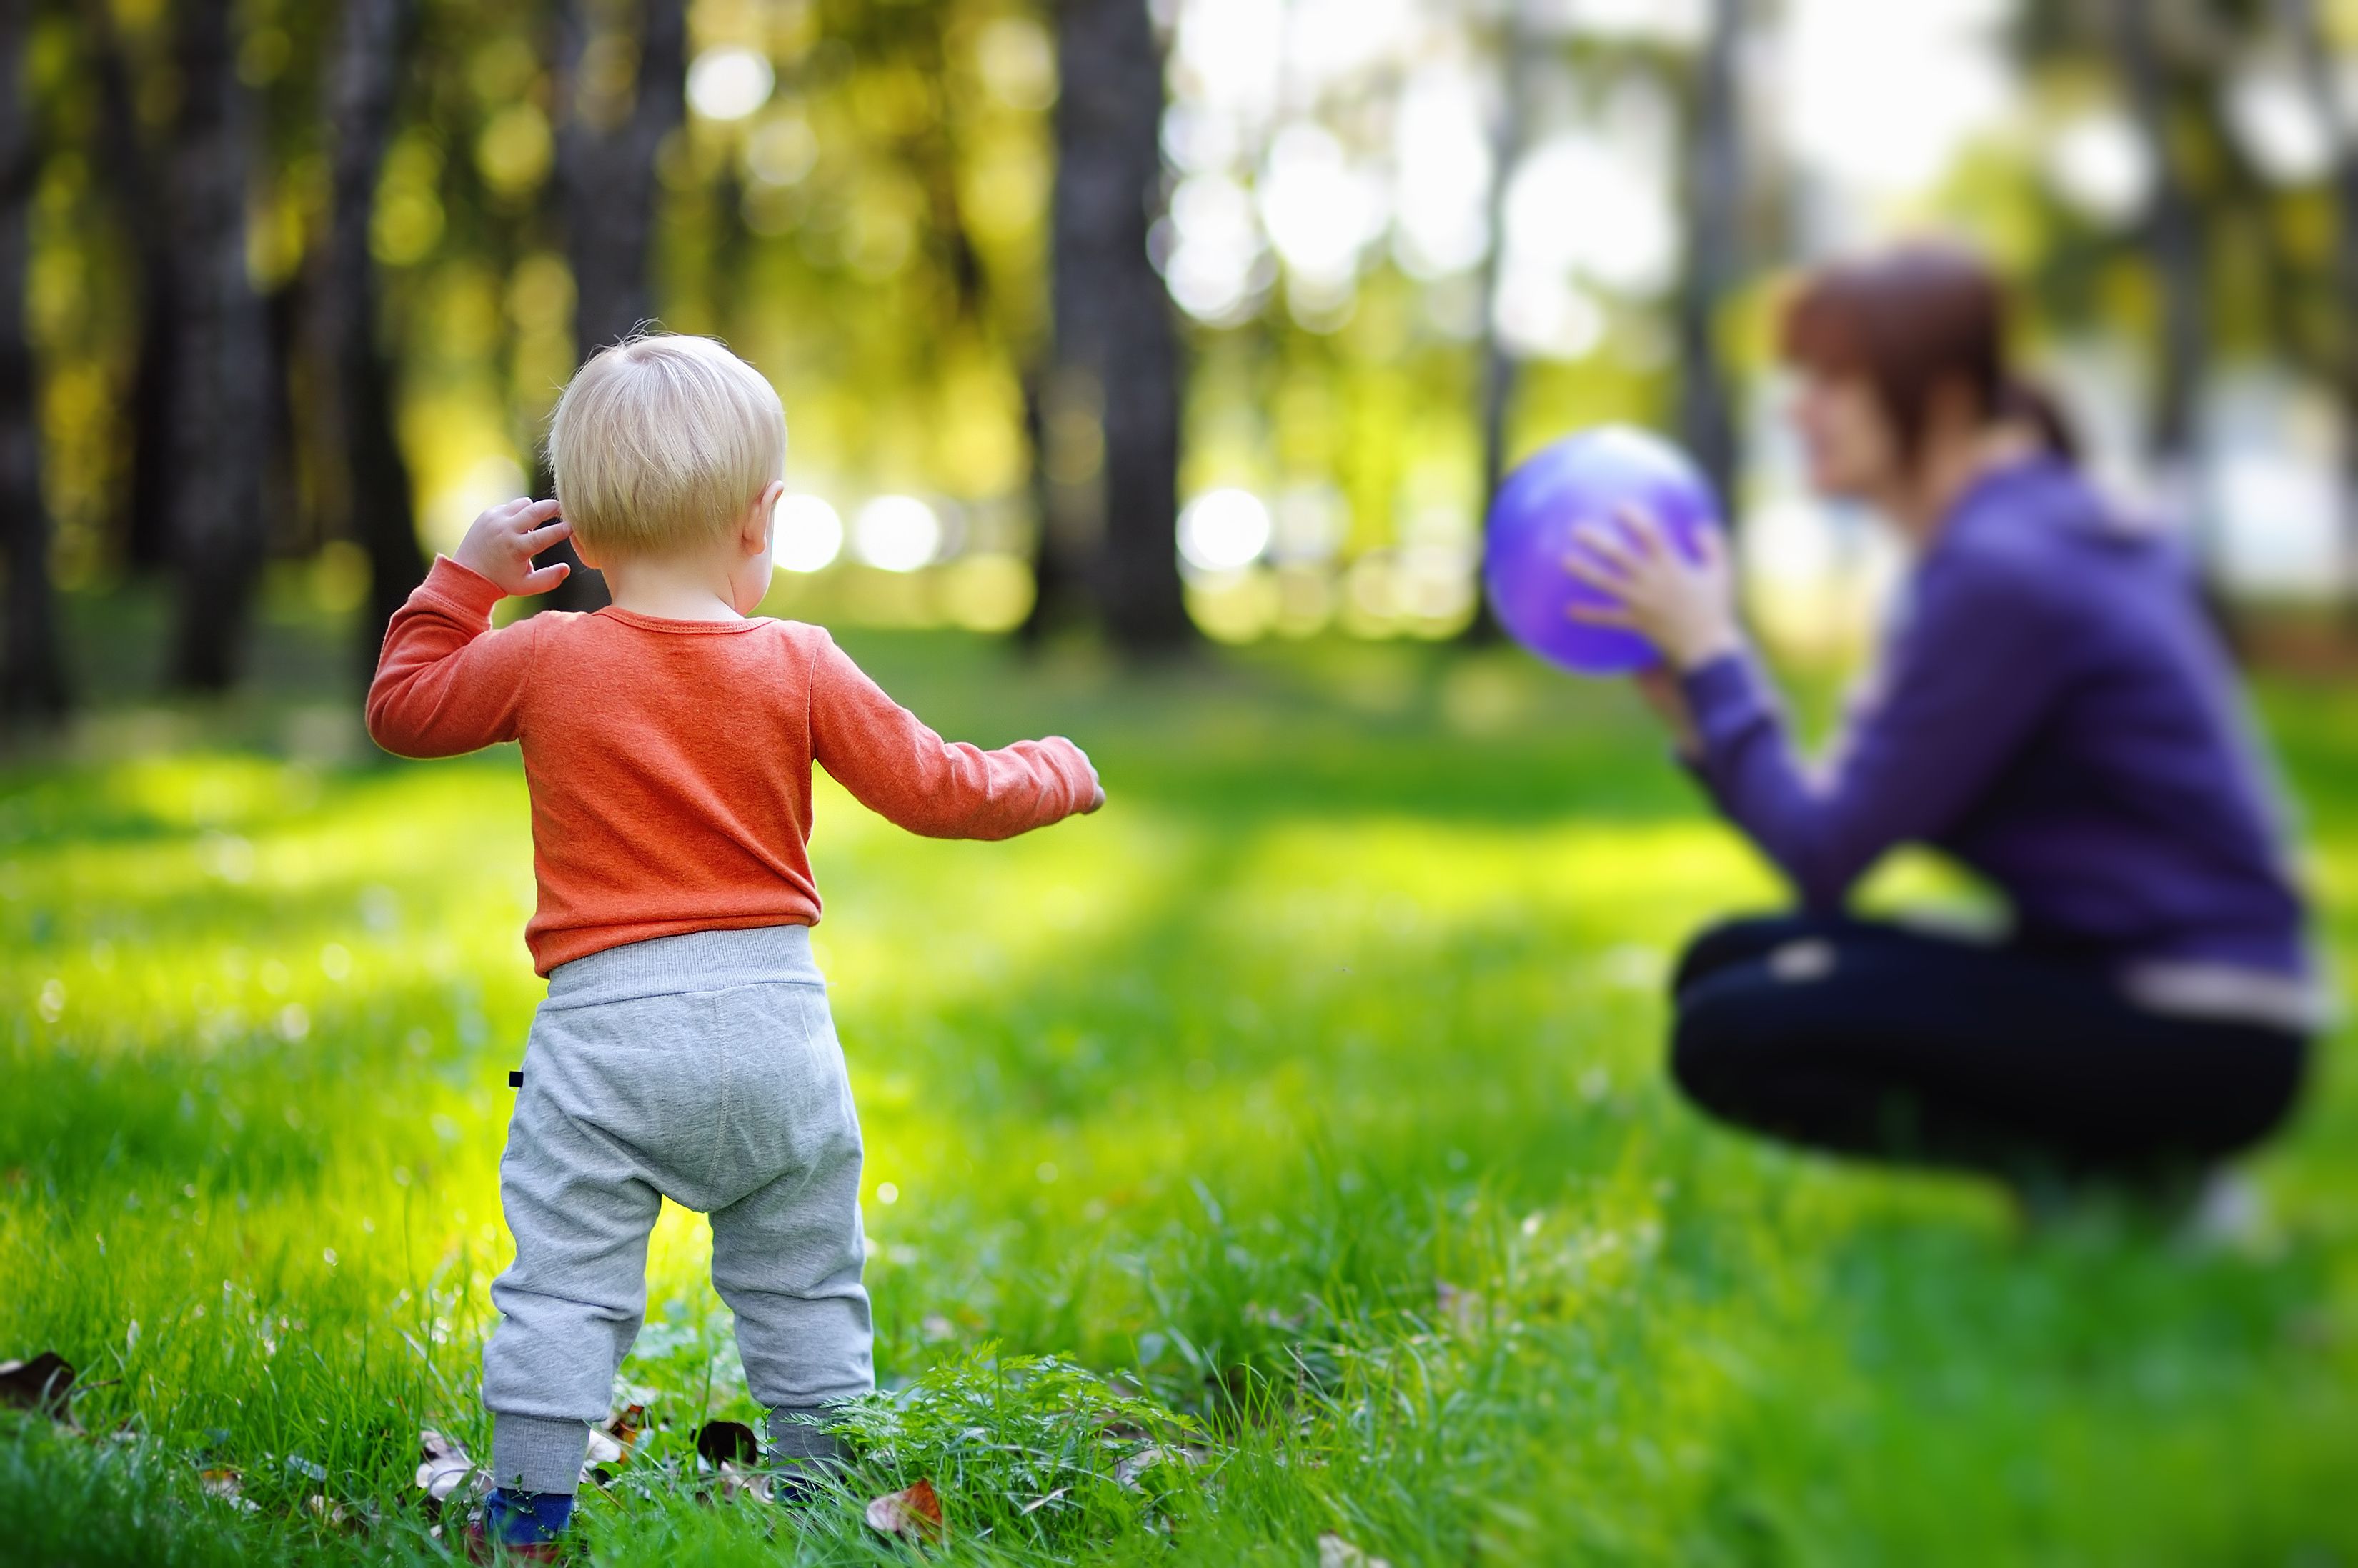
(1351, 995)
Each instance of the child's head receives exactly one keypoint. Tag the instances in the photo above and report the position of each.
(662, 446)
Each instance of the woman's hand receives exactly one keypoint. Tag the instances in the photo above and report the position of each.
(1685, 608)
(501, 543)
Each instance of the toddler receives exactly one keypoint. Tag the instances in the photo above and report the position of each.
(685, 1048)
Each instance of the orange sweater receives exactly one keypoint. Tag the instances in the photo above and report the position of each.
(670, 760)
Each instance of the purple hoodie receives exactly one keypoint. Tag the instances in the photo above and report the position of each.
(2056, 713)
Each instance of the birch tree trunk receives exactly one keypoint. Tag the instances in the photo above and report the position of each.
(32, 669)
(1111, 397)
(376, 506)
(222, 356)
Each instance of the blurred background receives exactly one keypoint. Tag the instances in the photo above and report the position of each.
(1127, 322)
(1148, 364)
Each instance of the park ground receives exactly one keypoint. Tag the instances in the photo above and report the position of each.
(1307, 1105)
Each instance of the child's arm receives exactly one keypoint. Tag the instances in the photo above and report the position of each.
(901, 769)
(447, 683)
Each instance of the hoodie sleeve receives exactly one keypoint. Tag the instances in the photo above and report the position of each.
(1969, 678)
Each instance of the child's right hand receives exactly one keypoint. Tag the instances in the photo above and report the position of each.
(1097, 798)
(501, 543)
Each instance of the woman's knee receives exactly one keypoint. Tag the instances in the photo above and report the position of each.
(1713, 1055)
(1717, 948)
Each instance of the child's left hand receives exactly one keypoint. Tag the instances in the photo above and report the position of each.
(501, 543)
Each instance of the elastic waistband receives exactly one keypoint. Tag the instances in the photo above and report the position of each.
(697, 962)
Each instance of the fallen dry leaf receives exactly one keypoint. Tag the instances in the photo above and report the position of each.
(45, 1383)
(445, 1465)
(1127, 1471)
(719, 1442)
(1333, 1551)
(223, 1484)
(625, 1425)
(611, 1443)
(736, 1481)
(915, 1512)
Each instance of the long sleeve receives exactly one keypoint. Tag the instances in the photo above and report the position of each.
(1969, 679)
(905, 773)
(446, 683)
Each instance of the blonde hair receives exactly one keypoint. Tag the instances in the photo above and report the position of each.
(661, 442)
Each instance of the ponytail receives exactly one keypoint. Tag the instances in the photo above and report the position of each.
(2027, 402)
(1912, 320)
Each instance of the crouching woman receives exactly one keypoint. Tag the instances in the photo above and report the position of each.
(2053, 710)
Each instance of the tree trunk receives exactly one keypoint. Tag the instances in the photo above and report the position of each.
(1500, 368)
(32, 670)
(222, 353)
(1117, 353)
(375, 506)
(2316, 55)
(144, 530)
(606, 152)
(1713, 193)
(2176, 242)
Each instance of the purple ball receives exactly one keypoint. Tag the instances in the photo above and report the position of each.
(1581, 479)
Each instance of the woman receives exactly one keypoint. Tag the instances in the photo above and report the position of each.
(2053, 711)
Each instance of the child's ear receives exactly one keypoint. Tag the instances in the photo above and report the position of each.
(758, 519)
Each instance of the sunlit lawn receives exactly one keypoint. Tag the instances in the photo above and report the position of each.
(1314, 1087)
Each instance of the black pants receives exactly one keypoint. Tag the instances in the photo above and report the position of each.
(1873, 1040)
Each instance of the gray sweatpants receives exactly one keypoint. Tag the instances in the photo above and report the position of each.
(703, 1068)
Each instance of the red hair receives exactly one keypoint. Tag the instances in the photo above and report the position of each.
(1913, 319)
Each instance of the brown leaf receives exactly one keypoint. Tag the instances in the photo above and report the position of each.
(916, 1513)
(43, 1383)
(225, 1485)
(625, 1425)
(726, 1442)
(610, 1443)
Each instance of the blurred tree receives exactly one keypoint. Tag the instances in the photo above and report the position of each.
(1714, 194)
(1501, 366)
(2320, 79)
(221, 355)
(137, 185)
(365, 468)
(2174, 237)
(622, 91)
(32, 671)
(1111, 394)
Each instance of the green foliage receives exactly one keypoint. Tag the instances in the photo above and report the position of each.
(1301, 1113)
(1032, 1449)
